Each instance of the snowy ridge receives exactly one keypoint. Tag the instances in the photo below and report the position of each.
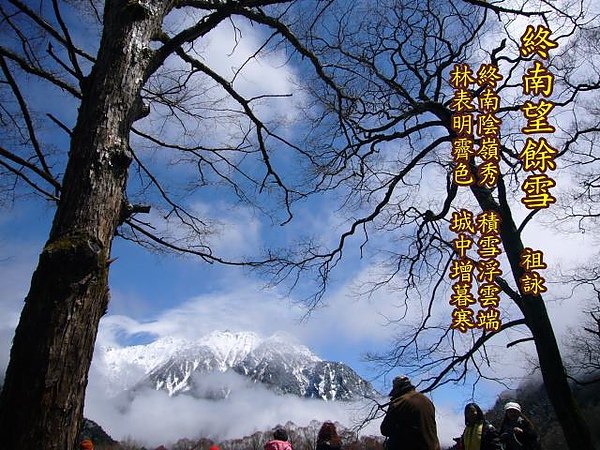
(184, 367)
(125, 366)
(145, 356)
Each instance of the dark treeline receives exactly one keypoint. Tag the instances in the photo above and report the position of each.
(531, 396)
(301, 438)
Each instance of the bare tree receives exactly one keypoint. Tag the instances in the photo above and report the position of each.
(382, 129)
(386, 135)
(134, 59)
(583, 361)
(580, 213)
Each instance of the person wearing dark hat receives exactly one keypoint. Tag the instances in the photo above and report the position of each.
(409, 423)
(279, 441)
(517, 432)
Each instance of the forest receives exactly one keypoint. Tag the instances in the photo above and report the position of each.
(443, 137)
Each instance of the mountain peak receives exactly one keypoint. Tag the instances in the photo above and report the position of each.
(180, 366)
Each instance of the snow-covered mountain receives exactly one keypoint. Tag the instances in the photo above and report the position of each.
(208, 367)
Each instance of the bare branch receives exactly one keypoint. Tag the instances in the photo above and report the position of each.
(25, 66)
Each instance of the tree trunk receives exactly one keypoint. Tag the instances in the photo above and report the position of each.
(41, 405)
(573, 424)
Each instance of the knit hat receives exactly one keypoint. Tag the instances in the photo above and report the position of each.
(400, 385)
(280, 434)
(512, 405)
(86, 444)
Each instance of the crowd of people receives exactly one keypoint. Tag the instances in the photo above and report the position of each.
(327, 439)
(409, 424)
(516, 431)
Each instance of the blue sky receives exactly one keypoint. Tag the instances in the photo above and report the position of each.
(157, 295)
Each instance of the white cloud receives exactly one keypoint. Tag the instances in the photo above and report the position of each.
(155, 418)
(236, 232)
(16, 268)
(262, 74)
(233, 51)
(245, 306)
(240, 309)
(345, 320)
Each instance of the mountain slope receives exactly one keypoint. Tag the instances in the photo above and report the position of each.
(533, 398)
(206, 368)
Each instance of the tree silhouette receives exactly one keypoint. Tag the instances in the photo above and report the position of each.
(381, 132)
(131, 60)
(387, 139)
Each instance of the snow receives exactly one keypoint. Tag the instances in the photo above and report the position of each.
(230, 348)
(169, 363)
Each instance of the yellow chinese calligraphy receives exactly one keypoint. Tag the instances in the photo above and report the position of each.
(536, 191)
(462, 101)
(488, 246)
(538, 80)
(488, 295)
(488, 269)
(488, 125)
(536, 40)
(461, 175)
(462, 124)
(489, 150)
(532, 283)
(462, 296)
(488, 174)
(488, 74)
(488, 101)
(462, 244)
(462, 221)
(461, 76)
(462, 269)
(532, 259)
(537, 117)
(538, 155)
(462, 320)
(488, 222)
(462, 149)
(489, 319)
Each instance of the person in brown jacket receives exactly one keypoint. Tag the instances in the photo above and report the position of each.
(409, 423)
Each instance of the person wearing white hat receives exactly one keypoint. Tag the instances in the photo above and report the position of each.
(512, 405)
(517, 432)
